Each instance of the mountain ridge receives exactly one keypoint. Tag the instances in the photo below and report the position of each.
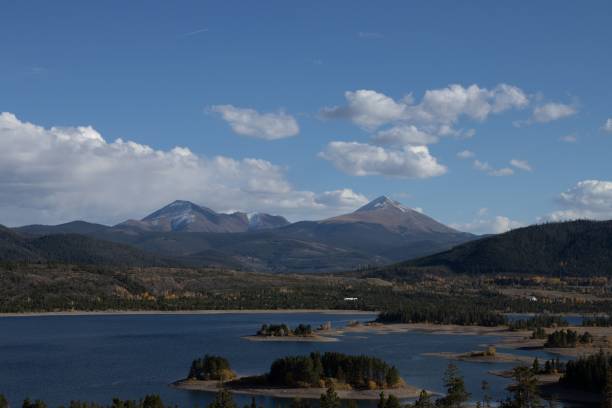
(381, 232)
(182, 215)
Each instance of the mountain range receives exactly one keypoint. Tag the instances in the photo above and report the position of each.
(186, 234)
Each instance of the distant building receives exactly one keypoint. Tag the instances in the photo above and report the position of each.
(532, 298)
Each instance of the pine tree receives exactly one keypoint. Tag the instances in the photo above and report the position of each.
(607, 394)
(223, 400)
(456, 394)
(392, 402)
(536, 366)
(525, 390)
(3, 401)
(381, 400)
(299, 403)
(424, 400)
(330, 399)
(486, 394)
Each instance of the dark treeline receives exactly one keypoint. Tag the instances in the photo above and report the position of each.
(599, 321)
(539, 321)
(443, 313)
(282, 330)
(567, 338)
(357, 371)
(315, 370)
(211, 368)
(149, 401)
(588, 373)
(539, 333)
(553, 366)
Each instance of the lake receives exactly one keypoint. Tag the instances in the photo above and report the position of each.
(97, 357)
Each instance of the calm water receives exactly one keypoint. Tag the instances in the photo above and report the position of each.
(94, 358)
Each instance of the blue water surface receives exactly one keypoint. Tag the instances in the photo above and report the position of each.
(97, 357)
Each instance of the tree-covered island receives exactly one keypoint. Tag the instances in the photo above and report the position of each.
(315, 371)
(282, 332)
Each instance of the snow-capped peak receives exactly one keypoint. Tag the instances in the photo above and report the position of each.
(383, 202)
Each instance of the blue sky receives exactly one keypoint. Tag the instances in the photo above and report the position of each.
(234, 81)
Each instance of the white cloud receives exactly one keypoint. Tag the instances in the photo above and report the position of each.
(608, 125)
(249, 122)
(344, 198)
(487, 168)
(521, 164)
(569, 139)
(366, 108)
(591, 199)
(404, 135)
(504, 171)
(465, 154)
(484, 224)
(60, 174)
(448, 104)
(552, 111)
(438, 109)
(360, 159)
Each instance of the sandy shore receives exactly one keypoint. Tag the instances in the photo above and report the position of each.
(188, 312)
(378, 328)
(407, 391)
(315, 338)
(497, 358)
(508, 339)
(522, 340)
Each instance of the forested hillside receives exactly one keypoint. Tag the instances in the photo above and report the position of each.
(71, 249)
(576, 248)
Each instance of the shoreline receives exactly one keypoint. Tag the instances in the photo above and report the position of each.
(189, 312)
(404, 392)
(304, 339)
(497, 358)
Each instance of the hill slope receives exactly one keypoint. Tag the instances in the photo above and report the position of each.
(578, 248)
(72, 249)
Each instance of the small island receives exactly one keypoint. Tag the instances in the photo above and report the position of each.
(308, 376)
(282, 332)
(489, 355)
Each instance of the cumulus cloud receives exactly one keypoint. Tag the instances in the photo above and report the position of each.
(366, 108)
(521, 164)
(552, 111)
(360, 159)
(404, 135)
(485, 224)
(607, 127)
(438, 109)
(485, 167)
(344, 198)
(446, 105)
(249, 122)
(51, 175)
(466, 154)
(588, 199)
